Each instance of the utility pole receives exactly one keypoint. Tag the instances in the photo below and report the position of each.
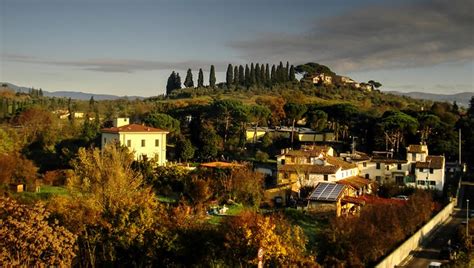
(467, 220)
(459, 146)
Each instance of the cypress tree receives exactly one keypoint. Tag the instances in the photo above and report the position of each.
(287, 70)
(257, 74)
(274, 76)
(252, 74)
(212, 77)
(247, 75)
(177, 82)
(200, 78)
(170, 85)
(40, 92)
(280, 73)
(236, 75)
(262, 75)
(229, 78)
(267, 75)
(188, 81)
(292, 76)
(241, 75)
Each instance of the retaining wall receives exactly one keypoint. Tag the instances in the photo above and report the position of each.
(399, 254)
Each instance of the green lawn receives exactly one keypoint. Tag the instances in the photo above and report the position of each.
(45, 192)
(311, 225)
(233, 210)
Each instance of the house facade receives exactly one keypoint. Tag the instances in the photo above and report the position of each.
(146, 143)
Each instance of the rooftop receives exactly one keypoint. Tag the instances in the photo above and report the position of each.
(133, 128)
(325, 191)
(432, 161)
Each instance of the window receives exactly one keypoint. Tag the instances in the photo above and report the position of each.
(367, 176)
(431, 171)
(420, 182)
(378, 166)
(129, 143)
(364, 164)
(378, 178)
(143, 143)
(388, 167)
(432, 183)
(399, 180)
(399, 166)
(325, 177)
(283, 161)
(157, 142)
(413, 156)
(421, 170)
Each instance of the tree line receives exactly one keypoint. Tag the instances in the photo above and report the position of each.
(237, 76)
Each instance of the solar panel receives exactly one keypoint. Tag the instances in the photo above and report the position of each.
(326, 191)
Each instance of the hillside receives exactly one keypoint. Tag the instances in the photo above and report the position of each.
(77, 95)
(462, 99)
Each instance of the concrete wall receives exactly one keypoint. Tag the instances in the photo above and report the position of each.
(399, 254)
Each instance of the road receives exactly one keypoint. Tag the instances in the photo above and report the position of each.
(429, 251)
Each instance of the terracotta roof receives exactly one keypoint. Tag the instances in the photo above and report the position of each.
(416, 149)
(221, 165)
(389, 161)
(356, 182)
(339, 162)
(133, 128)
(432, 161)
(317, 169)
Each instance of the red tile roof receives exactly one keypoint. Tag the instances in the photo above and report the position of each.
(221, 165)
(133, 128)
(355, 181)
(415, 148)
(316, 169)
(432, 161)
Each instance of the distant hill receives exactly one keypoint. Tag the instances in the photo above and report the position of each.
(462, 99)
(70, 94)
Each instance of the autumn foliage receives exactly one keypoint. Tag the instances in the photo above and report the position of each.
(28, 239)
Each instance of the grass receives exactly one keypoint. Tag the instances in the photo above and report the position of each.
(312, 226)
(232, 211)
(166, 199)
(46, 192)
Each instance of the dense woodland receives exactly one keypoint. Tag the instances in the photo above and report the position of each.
(118, 211)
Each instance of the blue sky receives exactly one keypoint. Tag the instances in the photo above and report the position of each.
(130, 47)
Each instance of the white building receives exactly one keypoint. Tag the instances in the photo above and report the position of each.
(147, 143)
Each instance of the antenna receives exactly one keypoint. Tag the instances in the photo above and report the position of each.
(460, 144)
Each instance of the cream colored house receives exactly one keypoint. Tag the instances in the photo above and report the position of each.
(147, 143)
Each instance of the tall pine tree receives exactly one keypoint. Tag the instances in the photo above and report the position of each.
(257, 74)
(200, 78)
(252, 74)
(188, 81)
(267, 75)
(229, 78)
(212, 77)
(177, 82)
(262, 75)
(286, 75)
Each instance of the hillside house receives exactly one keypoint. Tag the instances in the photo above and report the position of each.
(311, 165)
(147, 143)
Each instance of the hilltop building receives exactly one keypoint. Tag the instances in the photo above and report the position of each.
(147, 143)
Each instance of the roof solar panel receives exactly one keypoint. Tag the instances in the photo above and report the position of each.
(326, 191)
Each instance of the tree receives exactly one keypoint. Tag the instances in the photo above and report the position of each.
(292, 76)
(116, 217)
(247, 76)
(188, 81)
(267, 75)
(294, 112)
(283, 244)
(252, 75)
(163, 121)
(317, 119)
(286, 73)
(257, 74)
(7, 145)
(200, 78)
(228, 114)
(374, 84)
(273, 75)
(170, 85)
(177, 82)
(258, 114)
(395, 126)
(30, 240)
(236, 75)
(212, 77)
(184, 149)
(229, 75)
(427, 122)
(241, 75)
(312, 68)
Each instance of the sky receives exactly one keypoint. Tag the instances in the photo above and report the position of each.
(130, 47)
